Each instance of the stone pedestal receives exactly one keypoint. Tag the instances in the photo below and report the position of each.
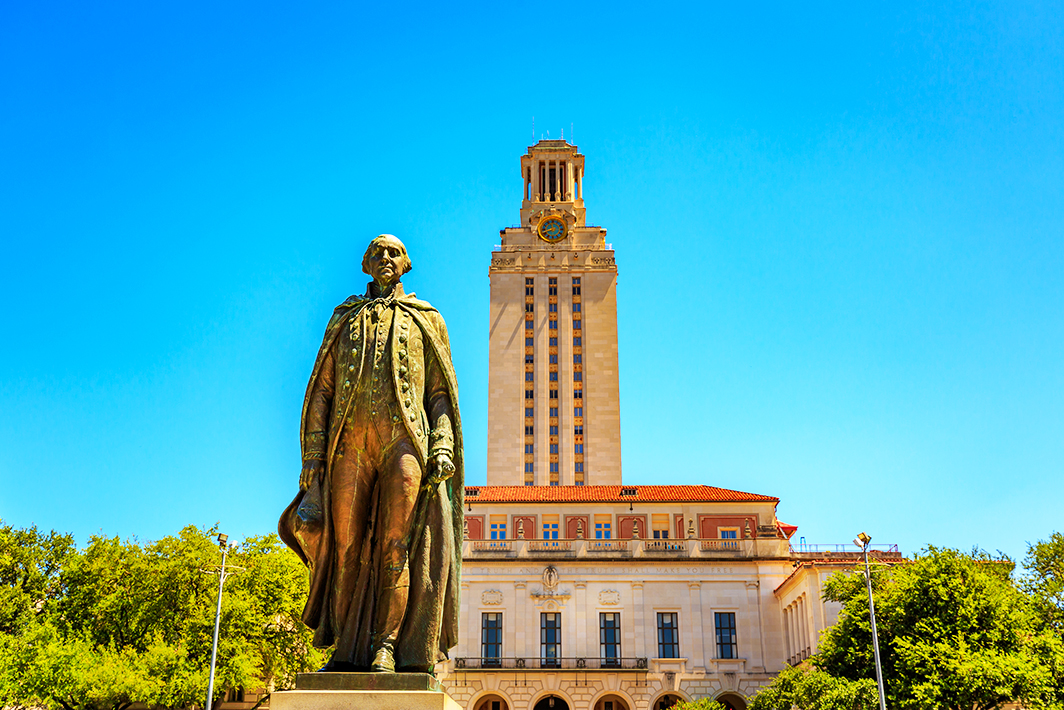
(364, 691)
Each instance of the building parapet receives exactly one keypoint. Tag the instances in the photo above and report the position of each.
(651, 549)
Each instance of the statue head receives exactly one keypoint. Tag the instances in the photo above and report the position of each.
(386, 260)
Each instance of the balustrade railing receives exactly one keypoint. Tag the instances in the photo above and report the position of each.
(728, 545)
(541, 664)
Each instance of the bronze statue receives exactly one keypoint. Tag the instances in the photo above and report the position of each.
(378, 518)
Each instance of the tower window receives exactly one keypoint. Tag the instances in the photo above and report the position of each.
(578, 377)
(578, 411)
(578, 394)
(579, 466)
(553, 376)
(552, 307)
(553, 359)
(553, 325)
(576, 342)
(576, 308)
(554, 430)
(554, 412)
(528, 448)
(576, 325)
(553, 342)
(528, 431)
(528, 359)
(528, 377)
(554, 394)
(578, 358)
(529, 308)
(529, 412)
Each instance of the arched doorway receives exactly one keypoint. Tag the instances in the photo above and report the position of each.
(666, 701)
(491, 702)
(731, 701)
(611, 702)
(551, 702)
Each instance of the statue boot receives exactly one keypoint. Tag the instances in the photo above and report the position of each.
(391, 610)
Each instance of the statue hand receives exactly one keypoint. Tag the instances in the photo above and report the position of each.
(441, 469)
(310, 473)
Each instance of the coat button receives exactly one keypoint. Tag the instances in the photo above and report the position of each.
(408, 402)
(419, 432)
(402, 370)
(347, 383)
(395, 417)
(351, 368)
(411, 417)
(406, 386)
(402, 338)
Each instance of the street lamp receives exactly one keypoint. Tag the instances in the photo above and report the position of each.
(862, 541)
(223, 540)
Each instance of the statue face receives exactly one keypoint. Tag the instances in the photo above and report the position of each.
(384, 261)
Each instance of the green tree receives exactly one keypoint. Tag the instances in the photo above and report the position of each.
(955, 632)
(1044, 581)
(30, 563)
(132, 623)
(812, 689)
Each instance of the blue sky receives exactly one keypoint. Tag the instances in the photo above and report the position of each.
(840, 234)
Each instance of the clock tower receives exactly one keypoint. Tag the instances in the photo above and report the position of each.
(553, 409)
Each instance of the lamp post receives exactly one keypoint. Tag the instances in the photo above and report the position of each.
(862, 541)
(223, 544)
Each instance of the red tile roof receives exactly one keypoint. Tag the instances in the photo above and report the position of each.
(611, 494)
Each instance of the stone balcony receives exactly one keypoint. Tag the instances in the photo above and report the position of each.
(693, 548)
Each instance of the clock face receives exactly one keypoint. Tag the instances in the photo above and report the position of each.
(552, 229)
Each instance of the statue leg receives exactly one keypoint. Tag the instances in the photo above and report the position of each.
(352, 487)
(399, 483)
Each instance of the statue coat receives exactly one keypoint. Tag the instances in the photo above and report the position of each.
(430, 627)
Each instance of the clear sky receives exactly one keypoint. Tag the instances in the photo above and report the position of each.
(840, 236)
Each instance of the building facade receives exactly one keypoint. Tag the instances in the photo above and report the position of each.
(578, 591)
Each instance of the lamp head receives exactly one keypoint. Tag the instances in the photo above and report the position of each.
(222, 539)
(862, 539)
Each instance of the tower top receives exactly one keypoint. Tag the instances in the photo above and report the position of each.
(553, 173)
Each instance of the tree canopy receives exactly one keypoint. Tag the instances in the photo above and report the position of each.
(120, 622)
(955, 632)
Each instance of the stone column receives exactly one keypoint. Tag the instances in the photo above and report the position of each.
(463, 649)
(581, 649)
(638, 620)
(697, 649)
(753, 588)
(519, 622)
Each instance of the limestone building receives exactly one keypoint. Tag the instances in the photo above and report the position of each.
(578, 591)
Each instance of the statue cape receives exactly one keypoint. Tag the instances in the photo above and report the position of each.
(437, 530)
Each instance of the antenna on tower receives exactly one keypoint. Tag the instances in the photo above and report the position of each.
(533, 129)
(572, 135)
(563, 134)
